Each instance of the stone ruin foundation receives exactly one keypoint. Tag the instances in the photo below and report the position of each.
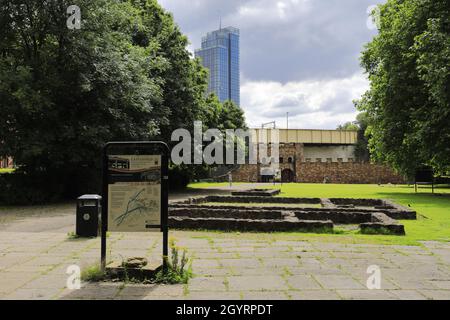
(257, 192)
(274, 214)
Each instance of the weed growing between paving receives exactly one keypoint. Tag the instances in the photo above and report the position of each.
(179, 270)
(179, 267)
(93, 274)
(72, 236)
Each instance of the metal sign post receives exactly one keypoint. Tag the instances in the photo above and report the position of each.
(135, 190)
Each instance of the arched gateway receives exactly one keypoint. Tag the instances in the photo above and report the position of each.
(287, 175)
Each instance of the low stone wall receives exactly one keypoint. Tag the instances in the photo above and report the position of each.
(229, 213)
(346, 172)
(249, 225)
(380, 223)
(246, 173)
(342, 217)
(357, 202)
(257, 192)
(373, 215)
(255, 199)
(399, 212)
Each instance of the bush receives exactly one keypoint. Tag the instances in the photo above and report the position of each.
(178, 178)
(22, 189)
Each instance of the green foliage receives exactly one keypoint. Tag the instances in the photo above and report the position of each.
(93, 274)
(218, 116)
(222, 116)
(125, 75)
(72, 236)
(22, 189)
(362, 144)
(408, 104)
(348, 126)
(179, 268)
(179, 177)
(66, 92)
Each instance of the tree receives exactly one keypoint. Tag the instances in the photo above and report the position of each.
(222, 116)
(362, 144)
(184, 80)
(360, 125)
(66, 92)
(125, 75)
(350, 125)
(215, 116)
(408, 104)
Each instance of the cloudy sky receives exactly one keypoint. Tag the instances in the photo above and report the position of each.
(297, 56)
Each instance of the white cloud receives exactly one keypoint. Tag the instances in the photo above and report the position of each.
(268, 12)
(284, 40)
(311, 104)
(297, 56)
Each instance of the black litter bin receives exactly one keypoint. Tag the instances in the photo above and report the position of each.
(88, 211)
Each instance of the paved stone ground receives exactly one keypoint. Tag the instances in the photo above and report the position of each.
(60, 218)
(227, 266)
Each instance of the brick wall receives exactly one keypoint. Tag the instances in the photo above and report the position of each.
(6, 163)
(315, 172)
(246, 173)
(346, 172)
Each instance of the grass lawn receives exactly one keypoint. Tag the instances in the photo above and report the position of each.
(433, 220)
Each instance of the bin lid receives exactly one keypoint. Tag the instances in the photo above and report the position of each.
(90, 197)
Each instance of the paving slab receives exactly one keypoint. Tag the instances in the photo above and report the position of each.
(213, 295)
(174, 291)
(338, 282)
(205, 263)
(366, 294)
(33, 266)
(436, 294)
(408, 294)
(240, 263)
(91, 291)
(149, 291)
(281, 262)
(260, 271)
(213, 272)
(265, 295)
(302, 282)
(441, 284)
(268, 282)
(316, 270)
(208, 284)
(313, 295)
(33, 294)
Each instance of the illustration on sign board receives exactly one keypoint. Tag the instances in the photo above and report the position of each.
(134, 192)
(136, 205)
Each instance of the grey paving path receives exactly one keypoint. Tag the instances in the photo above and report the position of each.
(227, 266)
(61, 217)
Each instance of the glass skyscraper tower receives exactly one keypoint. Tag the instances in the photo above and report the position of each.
(220, 54)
